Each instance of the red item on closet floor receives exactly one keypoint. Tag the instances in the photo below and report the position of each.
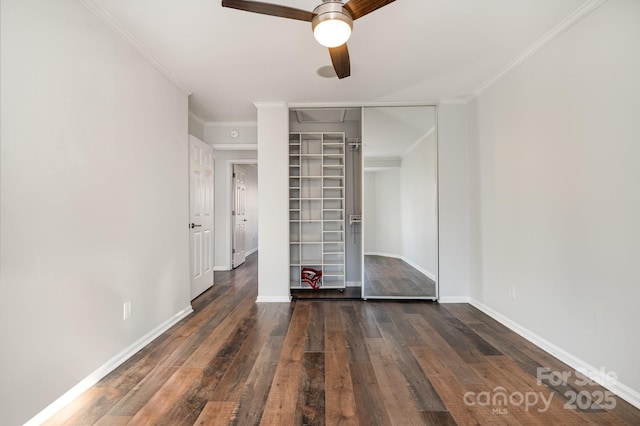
(312, 277)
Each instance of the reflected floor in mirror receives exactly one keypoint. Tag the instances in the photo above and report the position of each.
(392, 277)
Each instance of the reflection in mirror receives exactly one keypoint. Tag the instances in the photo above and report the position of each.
(400, 202)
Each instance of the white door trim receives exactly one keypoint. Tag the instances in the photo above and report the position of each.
(201, 248)
(238, 215)
(229, 201)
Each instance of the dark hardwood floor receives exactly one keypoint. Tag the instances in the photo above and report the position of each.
(334, 362)
(390, 277)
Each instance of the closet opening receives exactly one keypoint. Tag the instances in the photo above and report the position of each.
(363, 202)
(325, 175)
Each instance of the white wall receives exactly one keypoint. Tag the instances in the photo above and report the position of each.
(397, 202)
(251, 179)
(369, 211)
(418, 209)
(196, 127)
(220, 133)
(94, 200)
(453, 204)
(555, 197)
(383, 200)
(223, 161)
(273, 216)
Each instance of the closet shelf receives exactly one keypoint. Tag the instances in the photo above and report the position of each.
(317, 227)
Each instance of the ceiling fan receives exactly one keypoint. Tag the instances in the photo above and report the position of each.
(331, 23)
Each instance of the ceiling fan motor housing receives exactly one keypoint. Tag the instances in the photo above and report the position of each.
(331, 11)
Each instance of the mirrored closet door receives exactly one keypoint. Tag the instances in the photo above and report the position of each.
(400, 209)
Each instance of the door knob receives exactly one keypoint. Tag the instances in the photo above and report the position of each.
(193, 225)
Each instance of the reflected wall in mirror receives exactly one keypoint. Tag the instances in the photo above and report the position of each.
(400, 222)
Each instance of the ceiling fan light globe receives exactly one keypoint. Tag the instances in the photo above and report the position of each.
(331, 24)
(332, 33)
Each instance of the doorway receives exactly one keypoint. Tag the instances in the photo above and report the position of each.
(201, 215)
(400, 208)
(244, 212)
(325, 203)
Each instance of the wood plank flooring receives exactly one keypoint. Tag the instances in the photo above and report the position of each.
(336, 363)
(390, 277)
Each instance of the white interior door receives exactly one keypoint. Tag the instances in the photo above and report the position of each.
(239, 215)
(201, 215)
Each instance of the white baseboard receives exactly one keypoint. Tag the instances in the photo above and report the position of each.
(273, 299)
(630, 395)
(424, 271)
(453, 299)
(106, 368)
(218, 268)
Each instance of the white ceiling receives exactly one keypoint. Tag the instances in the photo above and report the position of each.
(410, 50)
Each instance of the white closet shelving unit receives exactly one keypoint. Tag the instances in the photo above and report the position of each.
(317, 207)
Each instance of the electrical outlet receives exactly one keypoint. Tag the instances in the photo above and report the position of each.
(126, 309)
(512, 292)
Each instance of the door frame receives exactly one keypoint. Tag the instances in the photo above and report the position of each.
(193, 139)
(229, 201)
(237, 242)
(435, 105)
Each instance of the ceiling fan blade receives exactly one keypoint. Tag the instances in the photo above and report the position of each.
(359, 8)
(340, 59)
(269, 9)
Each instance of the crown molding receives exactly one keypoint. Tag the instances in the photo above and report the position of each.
(231, 124)
(578, 15)
(360, 104)
(456, 101)
(135, 44)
